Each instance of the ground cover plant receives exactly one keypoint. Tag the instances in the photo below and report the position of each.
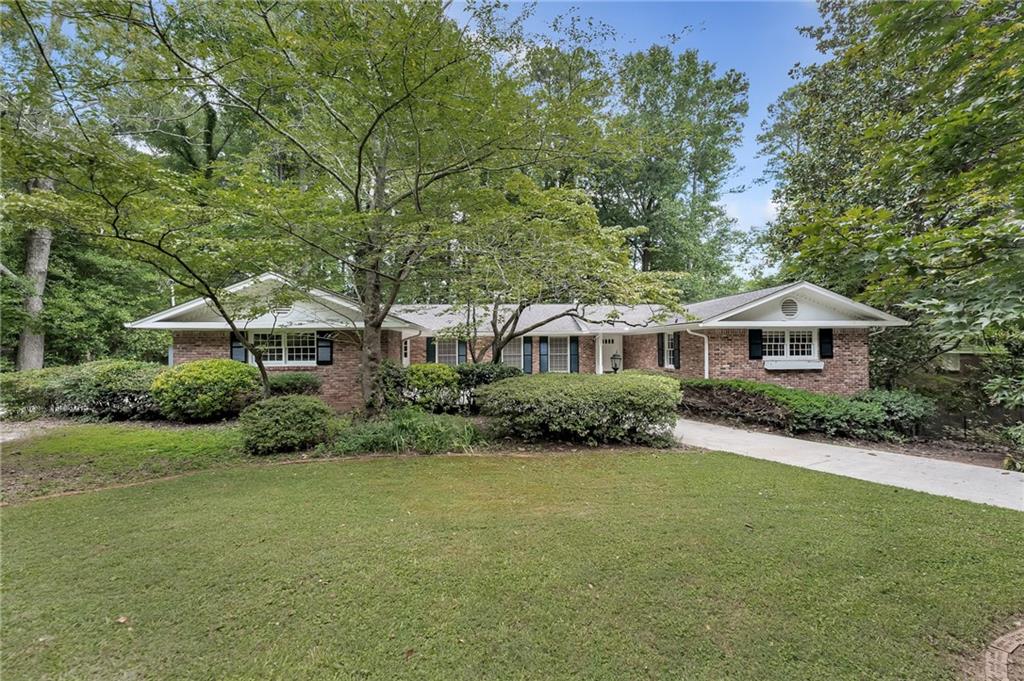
(873, 415)
(81, 456)
(632, 408)
(402, 431)
(607, 565)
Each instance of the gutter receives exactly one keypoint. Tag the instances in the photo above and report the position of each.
(706, 360)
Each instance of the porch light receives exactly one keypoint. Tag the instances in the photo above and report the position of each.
(616, 362)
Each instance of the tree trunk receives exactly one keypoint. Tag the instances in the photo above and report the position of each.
(370, 348)
(32, 341)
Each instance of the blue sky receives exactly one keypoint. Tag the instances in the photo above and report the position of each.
(758, 38)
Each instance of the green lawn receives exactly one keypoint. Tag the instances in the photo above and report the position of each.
(602, 565)
(81, 456)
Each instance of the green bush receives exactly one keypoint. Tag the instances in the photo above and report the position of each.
(26, 394)
(287, 423)
(472, 376)
(407, 430)
(113, 388)
(584, 407)
(435, 387)
(905, 411)
(294, 383)
(393, 384)
(874, 415)
(1014, 461)
(206, 389)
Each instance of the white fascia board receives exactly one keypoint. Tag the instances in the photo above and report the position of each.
(891, 320)
(805, 324)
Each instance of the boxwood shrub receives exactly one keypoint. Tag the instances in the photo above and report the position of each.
(287, 423)
(294, 383)
(206, 389)
(588, 408)
(874, 415)
(473, 376)
(27, 394)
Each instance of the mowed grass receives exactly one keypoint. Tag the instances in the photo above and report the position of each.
(672, 565)
(82, 456)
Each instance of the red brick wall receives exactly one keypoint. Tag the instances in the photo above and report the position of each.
(640, 351)
(340, 388)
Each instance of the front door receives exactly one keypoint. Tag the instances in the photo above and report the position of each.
(610, 345)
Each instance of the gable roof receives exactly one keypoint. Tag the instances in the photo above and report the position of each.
(340, 311)
(716, 306)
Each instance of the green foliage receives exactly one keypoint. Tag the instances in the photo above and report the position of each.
(24, 394)
(406, 430)
(394, 389)
(886, 190)
(1015, 436)
(584, 407)
(904, 411)
(435, 387)
(114, 389)
(206, 389)
(288, 423)
(874, 415)
(473, 376)
(294, 383)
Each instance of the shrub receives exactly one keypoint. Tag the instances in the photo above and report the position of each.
(875, 415)
(584, 407)
(206, 389)
(435, 387)
(25, 394)
(394, 387)
(113, 388)
(407, 430)
(1014, 460)
(472, 376)
(294, 383)
(285, 424)
(905, 411)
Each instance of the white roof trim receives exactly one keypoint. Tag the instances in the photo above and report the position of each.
(158, 319)
(885, 319)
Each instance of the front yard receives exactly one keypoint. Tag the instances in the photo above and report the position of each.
(599, 565)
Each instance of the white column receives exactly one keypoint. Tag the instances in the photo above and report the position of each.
(599, 355)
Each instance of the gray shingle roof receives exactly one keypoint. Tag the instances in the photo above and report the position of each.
(596, 317)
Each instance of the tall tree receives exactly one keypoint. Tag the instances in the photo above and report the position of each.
(904, 186)
(671, 153)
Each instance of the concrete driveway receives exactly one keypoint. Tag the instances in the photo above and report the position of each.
(944, 478)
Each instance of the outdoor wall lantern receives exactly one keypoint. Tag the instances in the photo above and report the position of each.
(616, 362)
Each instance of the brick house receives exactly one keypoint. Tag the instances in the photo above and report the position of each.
(798, 335)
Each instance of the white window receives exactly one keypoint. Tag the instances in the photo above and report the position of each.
(670, 351)
(287, 349)
(512, 353)
(447, 351)
(797, 344)
(558, 355)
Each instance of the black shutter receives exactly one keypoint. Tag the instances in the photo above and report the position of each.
(431, 350)
(462, 352)
(574, 354)
(543, 354)
(528, 355)
(677, 361)
(661, 350)
(755, 343)
(237, 351)
(324, 348)
(825, 345)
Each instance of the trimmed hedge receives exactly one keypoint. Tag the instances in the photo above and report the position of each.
(206, 389)
(590, 408)
(407, 430)
(110, 388)
(285, 424)
(294, 383)
(874, 415)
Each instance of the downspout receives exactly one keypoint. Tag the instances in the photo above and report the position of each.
(707, 373)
